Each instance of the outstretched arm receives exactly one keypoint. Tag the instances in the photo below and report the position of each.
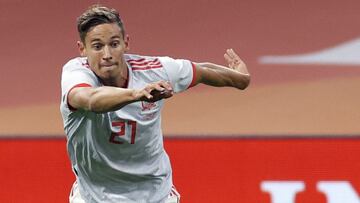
(107, 98)
(235, 75)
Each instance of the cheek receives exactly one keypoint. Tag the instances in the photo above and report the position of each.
(93, 63)
(93, 58)
(119, 52)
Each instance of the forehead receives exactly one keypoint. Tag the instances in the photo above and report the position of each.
(104, 31)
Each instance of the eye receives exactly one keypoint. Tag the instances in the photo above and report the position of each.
(97, 46)
(115, 44)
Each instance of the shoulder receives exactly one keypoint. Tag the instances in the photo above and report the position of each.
(78, 63)
(77, 70)
(138, 62)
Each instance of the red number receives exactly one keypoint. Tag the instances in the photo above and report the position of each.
(122, 132)
(121, 124)
(133, 131)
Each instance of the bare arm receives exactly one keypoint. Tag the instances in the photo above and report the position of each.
(106, 98)
(235, 75)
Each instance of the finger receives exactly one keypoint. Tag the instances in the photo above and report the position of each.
(236, 58)
(157, 86)
(167, 94)
(232, 53)
(147, 94)
(228, 52)
(167, 85)
(228, 58)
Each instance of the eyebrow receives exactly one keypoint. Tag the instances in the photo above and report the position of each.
(99, 40)
(95, 40)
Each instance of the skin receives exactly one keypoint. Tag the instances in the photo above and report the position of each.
(235, 75)
(104, 46)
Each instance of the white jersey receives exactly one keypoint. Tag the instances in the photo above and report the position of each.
(119, 156)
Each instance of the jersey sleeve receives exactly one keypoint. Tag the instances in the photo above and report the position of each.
(181, 73)
(75, 74)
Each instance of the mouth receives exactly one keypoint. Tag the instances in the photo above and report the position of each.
(107, 64)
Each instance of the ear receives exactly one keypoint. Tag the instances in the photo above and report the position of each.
(127, 43)
(81, 48)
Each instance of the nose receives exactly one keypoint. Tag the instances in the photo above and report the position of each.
(107, 53)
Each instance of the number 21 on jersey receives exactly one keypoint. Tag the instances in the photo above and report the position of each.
(124, 126)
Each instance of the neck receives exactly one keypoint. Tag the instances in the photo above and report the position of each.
(120, 79)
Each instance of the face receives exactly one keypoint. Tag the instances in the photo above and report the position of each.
(104, 48)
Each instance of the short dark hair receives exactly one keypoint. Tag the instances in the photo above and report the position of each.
(96, 15)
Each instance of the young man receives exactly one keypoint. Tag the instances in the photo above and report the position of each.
(111, 105)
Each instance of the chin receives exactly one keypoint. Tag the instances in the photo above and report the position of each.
(111, 74)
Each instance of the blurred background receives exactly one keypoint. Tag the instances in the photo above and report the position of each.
(302, 104)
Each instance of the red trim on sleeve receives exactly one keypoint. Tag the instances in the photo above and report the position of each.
(78, 85)
(193, 82)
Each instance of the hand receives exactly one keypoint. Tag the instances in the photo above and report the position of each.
(234, 61)
(156, 91)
